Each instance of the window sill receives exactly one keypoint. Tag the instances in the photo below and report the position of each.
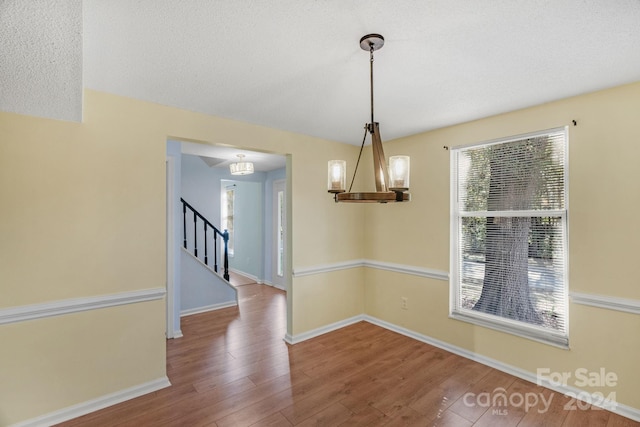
(515, 328)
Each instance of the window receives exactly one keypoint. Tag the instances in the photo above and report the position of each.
(228, 196)
(509, 235)
(280, 238)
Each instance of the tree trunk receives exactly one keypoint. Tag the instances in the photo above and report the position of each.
(512, 183)
(505, 290)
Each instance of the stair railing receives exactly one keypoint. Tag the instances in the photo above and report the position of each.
(206, 225)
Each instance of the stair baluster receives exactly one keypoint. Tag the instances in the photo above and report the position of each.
(216, 232)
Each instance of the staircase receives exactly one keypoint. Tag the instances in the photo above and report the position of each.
(210, 234)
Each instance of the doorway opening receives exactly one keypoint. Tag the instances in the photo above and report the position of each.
(204, 185)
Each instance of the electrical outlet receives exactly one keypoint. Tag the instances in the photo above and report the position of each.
(403, 303)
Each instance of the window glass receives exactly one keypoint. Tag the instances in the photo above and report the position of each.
(509, 235)
(228, 196)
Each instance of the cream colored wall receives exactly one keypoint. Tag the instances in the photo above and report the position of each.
(325, 231)
(83, 214)
(603, 233)
(53, 363)
(323, 299)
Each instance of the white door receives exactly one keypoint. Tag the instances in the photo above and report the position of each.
(279, 249)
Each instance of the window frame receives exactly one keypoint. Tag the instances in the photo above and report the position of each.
(518, 328)
(228, 217)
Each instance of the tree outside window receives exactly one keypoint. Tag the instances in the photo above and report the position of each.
(509, 235)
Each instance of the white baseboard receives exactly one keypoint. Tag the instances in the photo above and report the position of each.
(247, 275)
(206, 308)
(95, 404)
(273, 285)
(294, 339)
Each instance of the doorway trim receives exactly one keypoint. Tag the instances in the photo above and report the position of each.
(172, 251)
(170, 165)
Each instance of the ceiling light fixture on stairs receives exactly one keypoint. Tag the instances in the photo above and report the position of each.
(241, 167)
(391, 183)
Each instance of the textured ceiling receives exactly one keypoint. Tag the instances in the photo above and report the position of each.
(41, 58)
(297, 65)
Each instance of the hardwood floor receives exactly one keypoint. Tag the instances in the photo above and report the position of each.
(237, 279)
(232, 368)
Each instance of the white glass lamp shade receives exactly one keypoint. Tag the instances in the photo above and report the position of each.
(337, 177)
(241, 167)
(399, 173)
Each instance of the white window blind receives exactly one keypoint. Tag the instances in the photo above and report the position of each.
(509, 235)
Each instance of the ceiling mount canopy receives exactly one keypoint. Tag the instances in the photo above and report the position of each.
(392, 183)
(241, 167)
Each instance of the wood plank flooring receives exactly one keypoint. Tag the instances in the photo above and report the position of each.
(232, 368)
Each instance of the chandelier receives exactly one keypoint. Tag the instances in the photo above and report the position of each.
(392, 183)
(241, 167)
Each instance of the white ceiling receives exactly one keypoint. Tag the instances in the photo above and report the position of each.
(218, 156)
(297, 65)
(41, 58)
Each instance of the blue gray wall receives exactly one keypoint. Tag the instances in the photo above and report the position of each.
(201, 186)
(249, 224)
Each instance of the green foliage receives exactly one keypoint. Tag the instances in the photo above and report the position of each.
(531, 170)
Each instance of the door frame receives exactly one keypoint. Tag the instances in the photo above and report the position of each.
(172, 296)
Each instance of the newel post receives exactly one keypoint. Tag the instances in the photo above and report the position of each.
(225, 237)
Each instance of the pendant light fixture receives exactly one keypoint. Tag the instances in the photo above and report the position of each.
(391, 183)
(241, 167)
